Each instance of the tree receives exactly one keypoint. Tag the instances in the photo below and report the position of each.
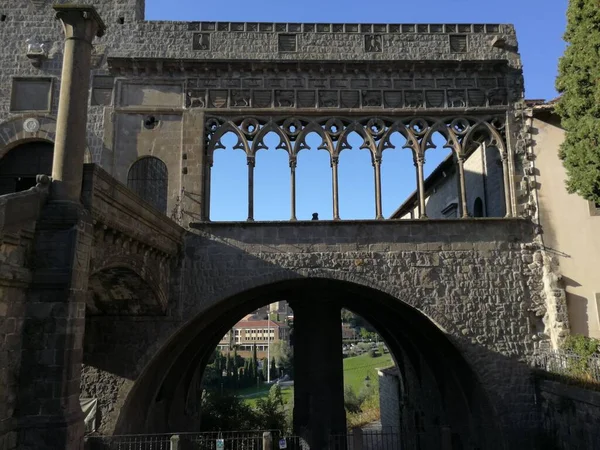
(273, 369)
(579, 105)
(284, 356)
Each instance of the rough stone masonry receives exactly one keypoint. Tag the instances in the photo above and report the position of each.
(461, 302)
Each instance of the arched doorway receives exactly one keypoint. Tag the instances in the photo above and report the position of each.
(442, 398)
(20, 166)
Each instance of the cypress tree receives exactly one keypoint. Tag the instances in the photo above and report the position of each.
(254, 361)
(579, 106)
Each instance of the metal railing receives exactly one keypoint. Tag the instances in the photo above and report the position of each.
(386, 438)
(570, 365)
(220, 440)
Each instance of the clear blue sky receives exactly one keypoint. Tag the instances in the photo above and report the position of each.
(539, 24)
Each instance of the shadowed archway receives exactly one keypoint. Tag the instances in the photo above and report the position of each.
(442, 399)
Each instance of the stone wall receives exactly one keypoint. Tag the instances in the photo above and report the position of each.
(172, 70)
(390, 395)
(470, 277)
(569, 416)
(19, 213)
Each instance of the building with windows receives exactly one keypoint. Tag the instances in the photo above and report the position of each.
(484, 181)
(248, 333)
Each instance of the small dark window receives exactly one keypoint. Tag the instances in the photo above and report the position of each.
(478, 208)
(148, 178)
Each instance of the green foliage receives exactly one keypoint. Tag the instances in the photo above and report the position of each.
(582, 345)
(351, 401)
(284, 357)
(226, 412)
(579, 105)
(585, 348)
(270, 412)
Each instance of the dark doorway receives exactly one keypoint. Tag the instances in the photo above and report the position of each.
(22, 164)
(478, 208)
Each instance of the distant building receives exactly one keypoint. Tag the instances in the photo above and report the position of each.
(484, 187)
(247, 333)
(348, 332)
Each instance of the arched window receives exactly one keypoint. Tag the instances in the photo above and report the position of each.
(19, 167)
(478, 208)
(148, 179)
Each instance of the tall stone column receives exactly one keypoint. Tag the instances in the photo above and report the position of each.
(378, 200)
(334, 183)
(318, 371)
(293, 188)
(251, 163)
(49, 414)
(419, 163)
(462, 186)
(81, 24)
(506, 180)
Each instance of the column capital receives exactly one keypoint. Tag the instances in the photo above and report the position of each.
(80, 22)
(419, 159)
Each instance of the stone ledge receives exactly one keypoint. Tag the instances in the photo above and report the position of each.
(572, 392)
(115, 205)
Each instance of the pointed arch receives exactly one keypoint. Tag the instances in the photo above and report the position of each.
(215, 140)
(496, 139)
(440, 127)
(400, 127)
(359, 129)
(258, 140)
(313, 126)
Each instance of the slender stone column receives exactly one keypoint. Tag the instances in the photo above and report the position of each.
(420, 163)
(334, 180)
(250, 188)
(462, 186)
(293, 188)
(81, 24)
(378, 205)
(206, 181)
(506, 176)
(49, 415)
(318, 371)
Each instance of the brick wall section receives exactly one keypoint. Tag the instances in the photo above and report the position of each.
(569, 416)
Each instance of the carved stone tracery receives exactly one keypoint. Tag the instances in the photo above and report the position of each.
(462, 133)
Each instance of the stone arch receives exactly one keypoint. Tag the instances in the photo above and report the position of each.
(20, 165)
(148, 177)
(121, 290)
(13, 133)
(162, 377)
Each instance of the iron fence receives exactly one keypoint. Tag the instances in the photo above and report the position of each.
(386, 438)
(220, 440)
(570, 365)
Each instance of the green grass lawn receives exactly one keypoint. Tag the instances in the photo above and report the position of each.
(356, 370)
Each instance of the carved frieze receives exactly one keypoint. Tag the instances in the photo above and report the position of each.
(312, 89)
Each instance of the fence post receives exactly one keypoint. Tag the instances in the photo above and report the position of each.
(267, 441)
(357, 438)
(446, 438)
(174, 442)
